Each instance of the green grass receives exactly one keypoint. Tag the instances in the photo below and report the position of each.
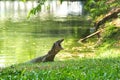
(82, 69)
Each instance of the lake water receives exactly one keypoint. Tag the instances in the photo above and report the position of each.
(23, 39)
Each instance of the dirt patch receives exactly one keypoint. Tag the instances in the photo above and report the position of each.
(67, 55)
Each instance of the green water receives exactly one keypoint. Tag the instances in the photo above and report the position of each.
(23, 40)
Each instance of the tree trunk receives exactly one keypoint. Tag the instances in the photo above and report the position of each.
(112, 14)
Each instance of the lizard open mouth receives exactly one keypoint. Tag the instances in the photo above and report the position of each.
(59, 43)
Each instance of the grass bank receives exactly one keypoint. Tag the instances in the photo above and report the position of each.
(84, 69)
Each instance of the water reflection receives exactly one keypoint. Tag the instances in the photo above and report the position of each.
(69, 8)
(22, 40)
(15, 8)
(54, 7)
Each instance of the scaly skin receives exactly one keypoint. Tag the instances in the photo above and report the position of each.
(51, 53)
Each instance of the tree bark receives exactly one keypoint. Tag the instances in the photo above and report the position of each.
(112, 14)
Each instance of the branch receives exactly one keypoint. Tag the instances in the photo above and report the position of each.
(95, 33)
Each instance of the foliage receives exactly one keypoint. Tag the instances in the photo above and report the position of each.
(94, 7)
(109, 42)
(110, 31)
(23, 0)
(110, 35)
(35, 10)
(99, 7)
